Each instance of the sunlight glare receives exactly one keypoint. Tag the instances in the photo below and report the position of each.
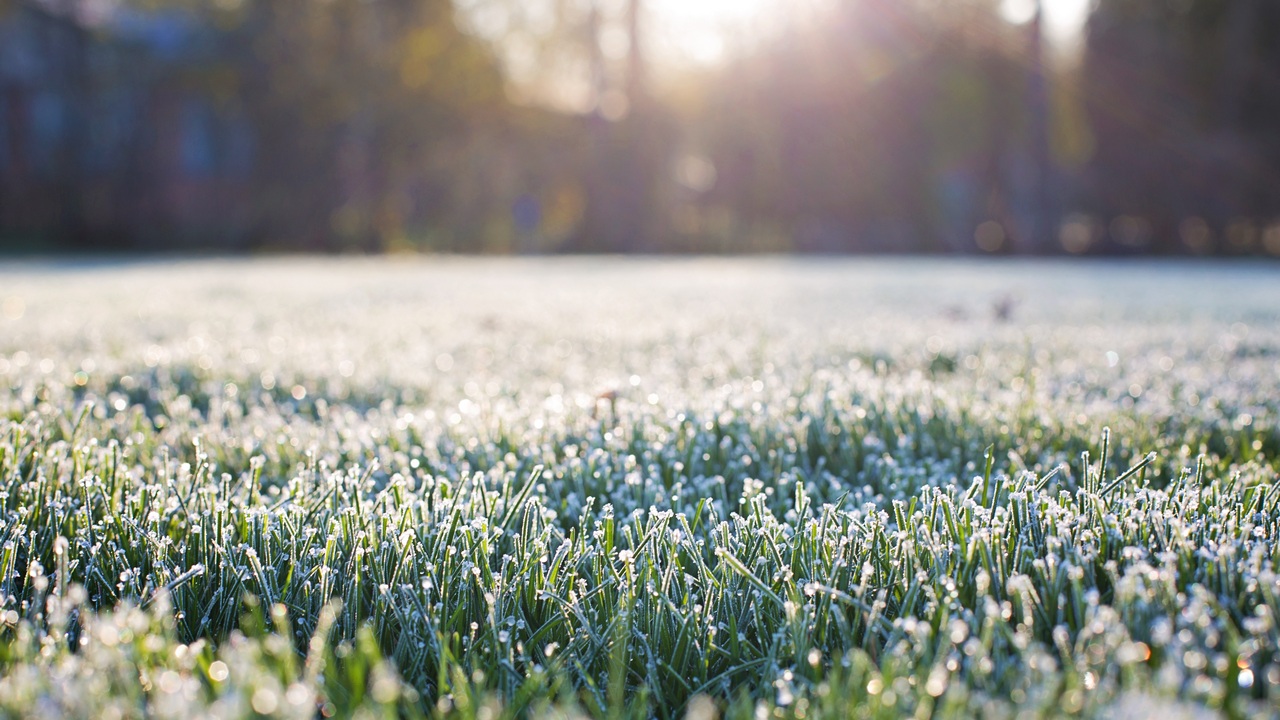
(702, 31)
(706, 32)
(1064, 20)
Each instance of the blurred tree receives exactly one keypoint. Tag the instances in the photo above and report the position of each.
(631, 144)
(350, 115)
(497, 125)
(1184, 99)
(587, 59)
(67, 78)
(872, 125)
(351, 101)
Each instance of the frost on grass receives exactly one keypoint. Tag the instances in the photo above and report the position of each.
(760, 489)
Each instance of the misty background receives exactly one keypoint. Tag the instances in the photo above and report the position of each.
(1113, 127)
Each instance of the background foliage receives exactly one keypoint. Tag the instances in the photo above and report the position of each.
(493, 126)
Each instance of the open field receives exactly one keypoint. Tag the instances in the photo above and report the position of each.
(766, 488)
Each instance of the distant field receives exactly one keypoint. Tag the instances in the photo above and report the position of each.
(755, 488)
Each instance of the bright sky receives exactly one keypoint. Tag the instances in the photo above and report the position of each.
(1063, 19)
(702, 31)
(685, 33)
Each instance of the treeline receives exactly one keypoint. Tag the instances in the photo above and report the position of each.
(280, 123)
(856, 126)
(885, 125)
(1183, 101)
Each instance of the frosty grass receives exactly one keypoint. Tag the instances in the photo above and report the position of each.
(767, 488)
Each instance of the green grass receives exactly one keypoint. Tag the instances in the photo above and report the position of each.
(754, 489)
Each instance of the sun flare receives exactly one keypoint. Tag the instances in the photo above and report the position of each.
(708, 31)
(704, 31)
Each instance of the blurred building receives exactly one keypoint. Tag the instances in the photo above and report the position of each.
(109, 127)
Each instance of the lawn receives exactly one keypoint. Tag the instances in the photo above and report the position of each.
(602, 487)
